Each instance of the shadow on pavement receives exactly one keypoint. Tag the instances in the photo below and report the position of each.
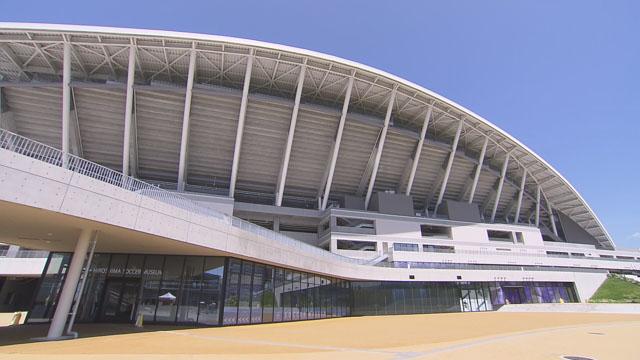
(22, 334)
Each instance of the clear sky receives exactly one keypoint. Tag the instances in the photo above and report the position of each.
(563, 77)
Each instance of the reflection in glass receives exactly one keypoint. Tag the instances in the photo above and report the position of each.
(210, 297)
(230, 316)
(150, 285)
(189, 298)
(167, 307)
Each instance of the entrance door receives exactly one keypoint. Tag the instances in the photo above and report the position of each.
(120, 300)
(515, 295)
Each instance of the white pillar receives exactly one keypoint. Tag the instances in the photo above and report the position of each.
(66, 98)
(292, 130)
(240, 130)
(447, 172)
(336, 146)
(476, 176)
(128, 109)
(520, 194)
(416, 158)
(70, 284)
(383, 137)
(503, 173)
(186, 117)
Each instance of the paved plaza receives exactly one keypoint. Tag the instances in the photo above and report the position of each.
(489, 335)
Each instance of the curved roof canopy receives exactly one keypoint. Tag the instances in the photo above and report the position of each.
(354, 129)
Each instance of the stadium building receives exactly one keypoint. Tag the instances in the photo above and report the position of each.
(220, 181)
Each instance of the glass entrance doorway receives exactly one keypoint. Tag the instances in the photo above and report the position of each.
(119, 303)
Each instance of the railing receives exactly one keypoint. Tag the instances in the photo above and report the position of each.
(53, 156)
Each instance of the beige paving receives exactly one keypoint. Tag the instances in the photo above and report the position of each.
(492, 335)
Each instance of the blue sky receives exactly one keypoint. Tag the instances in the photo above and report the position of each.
(563, 77)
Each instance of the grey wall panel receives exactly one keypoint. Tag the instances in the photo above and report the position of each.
(159, 119)
(214, 121)
(397, 150)
(265, 136)
(315, 133)
(357, 144)
(37, 113)
(101, 119)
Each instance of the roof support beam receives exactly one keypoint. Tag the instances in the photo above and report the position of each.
(75, 138)
(66, 98)
(128, 110)
(292, 130)
(476, 176)
(551, 217)
(538, 206)
(503, 174)
(383, 137)
(186, 119)
(336, 146)
(14, 59)
(447, 171)
(416, 157)
(240, 130)
(520, 194)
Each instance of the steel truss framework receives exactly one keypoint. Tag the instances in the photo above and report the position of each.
(252, 116)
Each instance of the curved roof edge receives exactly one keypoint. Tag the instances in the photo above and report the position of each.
(300, 51)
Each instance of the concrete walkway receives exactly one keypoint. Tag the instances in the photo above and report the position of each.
(574, 308)
(492, 335)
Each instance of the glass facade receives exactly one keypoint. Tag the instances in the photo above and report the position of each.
(257, 293)
(408, 297)
(227, 291)
(189, 289)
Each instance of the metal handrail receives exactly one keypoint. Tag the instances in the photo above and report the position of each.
(39, 151)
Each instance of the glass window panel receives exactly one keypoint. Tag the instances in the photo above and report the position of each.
(210, 296)
(94, 287)
(231, 297)
(50, 286)
(304, 296)
(117, 266)
(279, 294)
(256, 294)
(151, 276)
(167, 307)
(244, 300)
(295, 294)
(191, 288)
(134, 266)
(286, 295)
(268, 296)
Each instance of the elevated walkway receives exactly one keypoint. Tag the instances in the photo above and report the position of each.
(179, 206)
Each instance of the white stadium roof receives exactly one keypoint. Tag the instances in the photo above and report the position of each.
(31, 71)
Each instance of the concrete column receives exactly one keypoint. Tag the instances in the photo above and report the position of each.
(71, 283)
(128, 109)
(416, 157)
(186, 120)
(240, 129)
(66, 98)
(383, 136)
